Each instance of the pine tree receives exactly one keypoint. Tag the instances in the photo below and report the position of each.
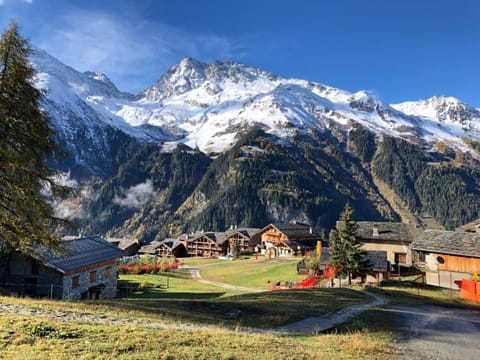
(344, 246)
(26, 142)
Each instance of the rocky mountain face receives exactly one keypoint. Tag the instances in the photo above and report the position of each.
(214, 145)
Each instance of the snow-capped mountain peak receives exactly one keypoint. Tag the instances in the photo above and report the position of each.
(206, 105)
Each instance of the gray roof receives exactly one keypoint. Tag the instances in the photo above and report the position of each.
(448, 242)
(79, 253)
(296, 230)
(247, 232)
(377, 259)
(217, 237)
(387, 231)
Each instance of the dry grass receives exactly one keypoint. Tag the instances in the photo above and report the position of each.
(94, 341)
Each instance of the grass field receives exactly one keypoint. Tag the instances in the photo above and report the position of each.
(217, 317)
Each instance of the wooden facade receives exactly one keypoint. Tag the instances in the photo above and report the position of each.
(287, 239)
(447, 257)
(248, 239)
(208, 244)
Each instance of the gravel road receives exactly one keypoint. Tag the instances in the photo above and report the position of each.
(434, 332)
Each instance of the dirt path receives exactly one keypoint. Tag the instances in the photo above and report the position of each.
(195, 272)
(326, 322)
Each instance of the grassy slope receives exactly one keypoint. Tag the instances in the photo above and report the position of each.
(193, 302)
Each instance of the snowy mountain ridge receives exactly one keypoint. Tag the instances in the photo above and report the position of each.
(206, 105)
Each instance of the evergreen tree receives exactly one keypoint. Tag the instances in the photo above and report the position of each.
(26, 141)
(344, 246)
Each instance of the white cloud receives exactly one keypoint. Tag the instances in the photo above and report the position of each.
(136, 196)
(127, 50)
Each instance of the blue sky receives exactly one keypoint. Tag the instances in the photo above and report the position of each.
(399, 49)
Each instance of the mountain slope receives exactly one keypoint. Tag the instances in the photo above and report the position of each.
(214, 145)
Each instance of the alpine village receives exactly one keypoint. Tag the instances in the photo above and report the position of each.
(228, 213)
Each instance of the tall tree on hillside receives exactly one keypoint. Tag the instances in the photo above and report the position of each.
(26, 141)
(345, 250)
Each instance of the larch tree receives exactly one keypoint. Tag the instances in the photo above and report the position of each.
(346, 255)
(26, 142)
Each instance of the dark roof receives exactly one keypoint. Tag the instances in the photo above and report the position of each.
(376, 259)
(296, 230)
(122, 243)
(151, 247)
(79, 253)
(387, 231)
(217, 237)
(448, 242)
(247, 232)
(303, 244)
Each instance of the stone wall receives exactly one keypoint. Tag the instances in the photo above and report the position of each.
(103, 287)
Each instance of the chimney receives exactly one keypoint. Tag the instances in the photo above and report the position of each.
(375, 230)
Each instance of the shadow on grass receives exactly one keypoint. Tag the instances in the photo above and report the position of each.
(259, 310)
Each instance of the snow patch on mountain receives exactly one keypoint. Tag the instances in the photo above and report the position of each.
(205, 106)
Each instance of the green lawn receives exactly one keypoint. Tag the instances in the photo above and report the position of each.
(186, 301)
(254, 273)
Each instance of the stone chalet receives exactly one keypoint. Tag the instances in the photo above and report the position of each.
(447, 256)
(85, 269)
(394, 238)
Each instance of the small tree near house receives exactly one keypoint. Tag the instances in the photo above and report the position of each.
(346, 255)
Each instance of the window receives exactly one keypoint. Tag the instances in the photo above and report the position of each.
(108, 271)
(93, 276)
(75, 281)
(440, 260)
(400, 258)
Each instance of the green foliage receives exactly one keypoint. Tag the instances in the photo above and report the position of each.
(26, 143)
(399, 164)
(345, 252)
(363, 141)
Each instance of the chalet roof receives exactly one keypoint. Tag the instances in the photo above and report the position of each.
(151, 247)
(295, 230)
(247, 232)
(122, 243)
(217, 237)
(79, 253)
(448, 242)
(303, 244)
(472, 226)
(387, 231)
(377, 259)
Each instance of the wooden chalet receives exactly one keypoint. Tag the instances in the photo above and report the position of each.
(205, 244)
(287, 239)
(447, 256)
(168, 247)
(394, 238)
(130, 246)
(248, 238)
